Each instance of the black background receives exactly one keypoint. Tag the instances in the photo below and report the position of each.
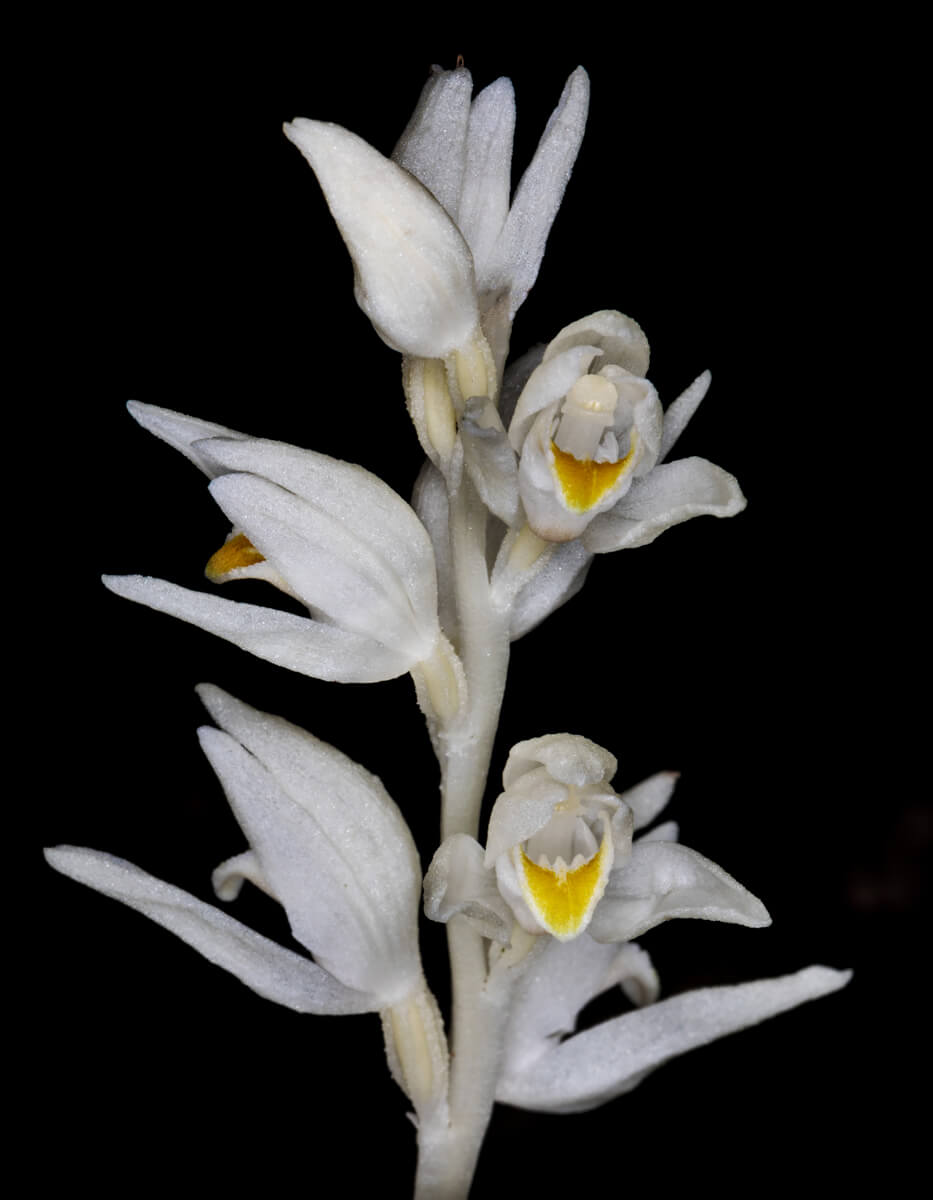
(184, 257)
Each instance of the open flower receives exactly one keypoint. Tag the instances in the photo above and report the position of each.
(325, 840)
(560, 846)
(328, 533)
(591, 438)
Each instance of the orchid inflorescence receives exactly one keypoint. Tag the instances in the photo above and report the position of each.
(531, 470)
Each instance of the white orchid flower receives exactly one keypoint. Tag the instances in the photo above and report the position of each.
(326, 840)
(591, 438)
(328, 533)
(548, 1067)
(560, 846)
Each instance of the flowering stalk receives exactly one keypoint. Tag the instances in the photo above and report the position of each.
(531, 471)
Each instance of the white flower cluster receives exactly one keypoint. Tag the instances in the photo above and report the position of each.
(557, 458)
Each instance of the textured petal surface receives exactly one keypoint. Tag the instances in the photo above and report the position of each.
(487, 183)
(491, 463)
(298, 643)
(663, 880)
(520, 248)
(673, 492)
(678, 414)
(568, 757)
(601, 1063)
(330, 841)
(182, 432)
(414, 272)
(620, 340)
(457, 883)
(433, 145)
(558, 581)
(548, 383)
(269, 969)
(521, 811)
(648, 798)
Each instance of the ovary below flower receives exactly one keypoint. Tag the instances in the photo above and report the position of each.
(590, 434)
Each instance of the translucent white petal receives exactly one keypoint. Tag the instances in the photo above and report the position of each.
(269, 969)
(678, 414)
(457, 884)
(228, 878)
(298, 643)
(619, 339)
(323, 562)
(433, 146)
(484, 200)
(648, 798)
(182, 432)
(568, 757)
(667, 831)
(663, 880)
(601, 1063)
(330, 842)
(558, 581)
(673, 492)
(362, 503)
(517, 256)
(521, 811)
(414, 272)
(547, 384)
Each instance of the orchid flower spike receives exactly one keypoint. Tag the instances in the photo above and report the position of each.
(591, 438)
(327, 533)
(560, 850)
(325, 840)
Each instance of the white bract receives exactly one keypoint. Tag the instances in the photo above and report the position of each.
(591, 438)
(328, 533)
(325, 839)
(560, 844)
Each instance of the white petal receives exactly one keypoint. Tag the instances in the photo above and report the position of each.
(182, 432)
(269, 969)
(298, 643)
(329, 840)
(487, 183)
(681, 410)
(490, 461)
(559, 980)
(568, 757)
(458, 884)
(521, 811)
(547, 384)
(663, 880)
(362, 503)
(667, 831)
(433, 146)
(648, 798)
(601, 1063)
(228, 878)
(322, 561)
(558, 581)
(673, 492)
(520, 248)
(620, 340)
(414, 273)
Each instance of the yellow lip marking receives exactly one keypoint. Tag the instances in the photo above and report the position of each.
(238, 552)
(584, 482)
(561, 899)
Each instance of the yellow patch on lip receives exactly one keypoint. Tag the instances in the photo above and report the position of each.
(239, 551)
(562, 899)
(585, 482)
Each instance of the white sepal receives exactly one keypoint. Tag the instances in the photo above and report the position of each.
(603, 1062)
(673, 492)
(330, 841)
(663, 880)
(269, 969)
(182, 432)
(678, 413)
(414, 272)
(457, 884)
(648, 798)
